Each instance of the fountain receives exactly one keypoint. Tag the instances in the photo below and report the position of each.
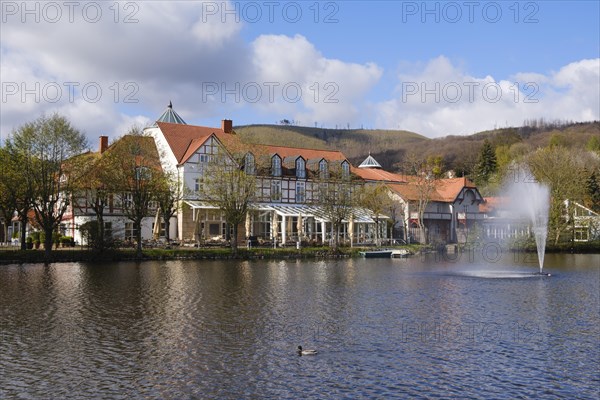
(531, 199)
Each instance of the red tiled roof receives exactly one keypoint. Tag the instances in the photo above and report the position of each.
(445, 190)
(493, 203)
(307, 154)
(185, 140)
(375, 174)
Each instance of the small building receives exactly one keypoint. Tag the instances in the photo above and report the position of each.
(451, 205)
(584, 222)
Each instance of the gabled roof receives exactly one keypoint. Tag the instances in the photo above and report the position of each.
(370, 162)
(307, 154)
(493, 204)
(444, 190)
(185, 140)
(375, 174)
(170, 116)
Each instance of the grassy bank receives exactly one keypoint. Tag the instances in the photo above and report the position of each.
(13, 256)
(72, 255)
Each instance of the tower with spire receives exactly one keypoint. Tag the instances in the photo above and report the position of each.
(170, 116)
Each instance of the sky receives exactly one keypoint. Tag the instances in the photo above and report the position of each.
(436, 68)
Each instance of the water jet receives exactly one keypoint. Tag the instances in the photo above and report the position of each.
(531, 200)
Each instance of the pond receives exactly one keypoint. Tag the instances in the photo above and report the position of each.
(474, 325)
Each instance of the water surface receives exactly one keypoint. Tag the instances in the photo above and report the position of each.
(471, 326)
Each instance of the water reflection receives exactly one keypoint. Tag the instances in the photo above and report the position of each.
(413, 327)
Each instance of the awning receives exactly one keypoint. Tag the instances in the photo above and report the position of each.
(361, 215)
(195, 204)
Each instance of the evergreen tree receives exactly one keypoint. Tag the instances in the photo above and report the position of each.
(486, 164)
(593, 191)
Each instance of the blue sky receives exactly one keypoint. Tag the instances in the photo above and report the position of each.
(436, 68)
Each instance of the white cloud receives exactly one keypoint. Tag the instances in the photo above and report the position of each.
(164, 53)
(331, 91)
(176, 51)
(442, 99)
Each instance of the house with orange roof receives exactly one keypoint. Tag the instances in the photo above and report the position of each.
(451, 205)
(287, 178)
(81, 208)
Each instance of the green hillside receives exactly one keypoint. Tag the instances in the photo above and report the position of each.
(390, 147)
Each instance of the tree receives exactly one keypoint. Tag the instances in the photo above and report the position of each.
(593, 144)
(593, 191)
(136, 177)
(169, 198)
(424, 182)
(16, 188)
(376, 198)
(486, 164)
(562, 169)
(336, 199)
(93, 191)
(47, 147)
(227, 186)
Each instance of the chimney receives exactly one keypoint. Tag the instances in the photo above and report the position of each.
(103, 144)
(227, 125)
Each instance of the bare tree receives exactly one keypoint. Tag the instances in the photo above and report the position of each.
(376, 198)
(169, 198)
(93, 192)
(227, 186)
(336, 199)
(137, 176)
(424, 181)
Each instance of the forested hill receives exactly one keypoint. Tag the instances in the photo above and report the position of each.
(391, 147)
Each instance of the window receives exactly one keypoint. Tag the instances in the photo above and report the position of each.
(214, 229)
(345, 170)
(300, 168)
(162, 229)
(249, 164)
(197, 185)
(127, 200)
(142, 173)
(130, 231)
(276, 165)
(300, 192)
(323, 173)
(275, 190)
(108, 230)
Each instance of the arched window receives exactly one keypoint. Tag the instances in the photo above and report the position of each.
(323, 170)
(300, 168)
(345, 170)
(249, 165)
(276, 165)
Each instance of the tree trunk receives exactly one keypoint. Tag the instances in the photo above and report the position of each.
(336, 231)
(167, 219)
(100, 242)
(23, 233)
(138, 237)
(234, 247)
(47, 244)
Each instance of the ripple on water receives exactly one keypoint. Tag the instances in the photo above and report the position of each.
(230, 330)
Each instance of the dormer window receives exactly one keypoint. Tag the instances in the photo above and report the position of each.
(300, 168)
(345, 170)
(323, 170)
(276, 165)
(249, 165)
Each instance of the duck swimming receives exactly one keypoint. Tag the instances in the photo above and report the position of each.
(306, 352)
